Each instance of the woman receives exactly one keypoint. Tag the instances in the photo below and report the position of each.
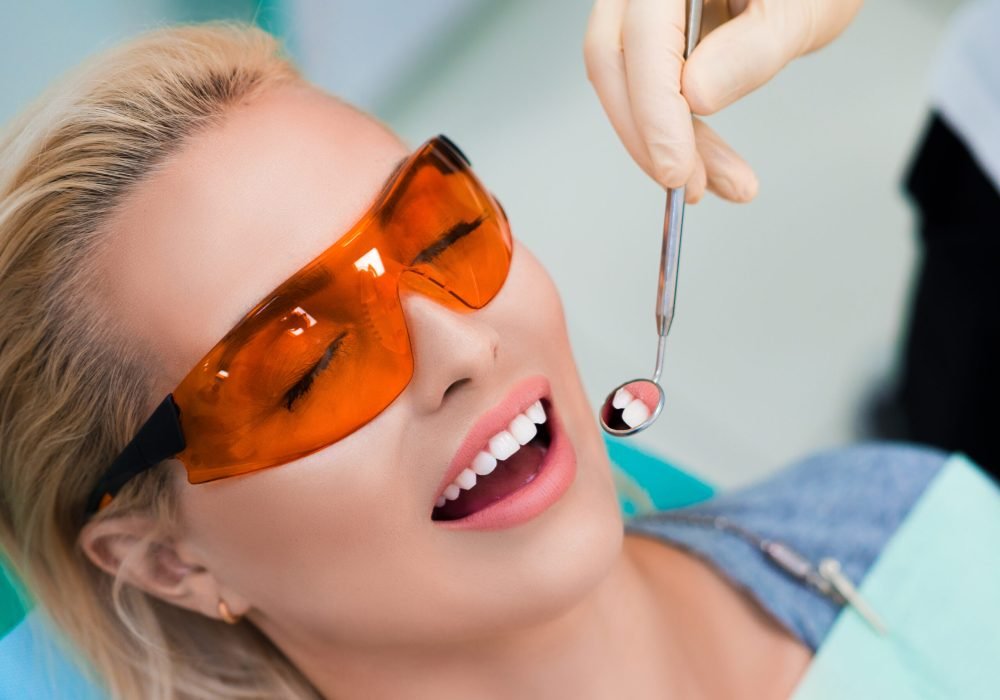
(386, 480)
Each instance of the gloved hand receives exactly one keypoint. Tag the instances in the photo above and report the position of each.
(634, 53)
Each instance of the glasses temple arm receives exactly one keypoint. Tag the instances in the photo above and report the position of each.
(159, 438)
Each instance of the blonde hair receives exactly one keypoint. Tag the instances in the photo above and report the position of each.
(72, 389)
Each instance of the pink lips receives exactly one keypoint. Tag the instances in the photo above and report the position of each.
(524, 393)
(555, 474)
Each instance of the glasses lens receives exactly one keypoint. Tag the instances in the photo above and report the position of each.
(329, 350)
(450, 231)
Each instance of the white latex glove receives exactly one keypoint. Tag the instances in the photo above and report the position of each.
(634, 53)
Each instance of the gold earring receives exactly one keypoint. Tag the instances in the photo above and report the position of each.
(226, 614)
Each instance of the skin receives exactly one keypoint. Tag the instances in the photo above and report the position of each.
(634, 54)
(335, 556)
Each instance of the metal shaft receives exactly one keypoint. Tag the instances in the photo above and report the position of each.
(673, 223)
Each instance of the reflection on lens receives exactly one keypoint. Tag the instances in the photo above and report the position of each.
(632, 406)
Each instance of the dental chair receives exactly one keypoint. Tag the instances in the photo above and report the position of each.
(35, 665)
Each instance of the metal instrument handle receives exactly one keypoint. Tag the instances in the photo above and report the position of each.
(673, 224)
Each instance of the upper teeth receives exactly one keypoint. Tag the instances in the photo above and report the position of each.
(499, 447)
(634, 411)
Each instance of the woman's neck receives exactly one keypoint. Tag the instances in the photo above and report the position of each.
(661, 624)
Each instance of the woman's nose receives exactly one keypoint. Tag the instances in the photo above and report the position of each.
(450, 349)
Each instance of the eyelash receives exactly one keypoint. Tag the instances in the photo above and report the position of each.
(447, 239)
(303, 385)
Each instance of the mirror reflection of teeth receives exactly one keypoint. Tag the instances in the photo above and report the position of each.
(623, 397)
(635, 413)
(501, 446)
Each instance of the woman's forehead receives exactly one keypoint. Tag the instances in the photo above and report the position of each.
(235, 212)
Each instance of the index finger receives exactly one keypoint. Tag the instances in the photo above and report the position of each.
(605, 64)
(653, 39)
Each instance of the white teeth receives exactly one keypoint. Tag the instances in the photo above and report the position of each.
(466, 480)
(622, 398)
(500, 447)
(503, 445)
(522, 429)
(635, 413)
(484, 463)
(535, 413)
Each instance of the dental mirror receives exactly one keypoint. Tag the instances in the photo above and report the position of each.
(635, 405)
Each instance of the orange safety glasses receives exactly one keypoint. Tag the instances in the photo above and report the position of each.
(328, 350)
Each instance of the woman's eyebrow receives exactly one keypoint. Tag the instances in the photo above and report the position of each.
(395, 170)
(311, 282)
(298, 284)
(388, 209)
(301, 285)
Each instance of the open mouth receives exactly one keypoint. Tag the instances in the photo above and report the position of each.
(509, 461)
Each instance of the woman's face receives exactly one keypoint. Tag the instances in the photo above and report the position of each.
(339, 547)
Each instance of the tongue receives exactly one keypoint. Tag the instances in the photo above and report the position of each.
(510, 475)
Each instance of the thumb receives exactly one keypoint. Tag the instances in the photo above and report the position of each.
(738, 57)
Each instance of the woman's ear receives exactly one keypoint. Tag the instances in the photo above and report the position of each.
(130, 547)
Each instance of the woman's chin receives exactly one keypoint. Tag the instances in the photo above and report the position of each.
(567, 561)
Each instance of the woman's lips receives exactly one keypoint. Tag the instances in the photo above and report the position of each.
(493, 422)
(547, 481)
(509, 460)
